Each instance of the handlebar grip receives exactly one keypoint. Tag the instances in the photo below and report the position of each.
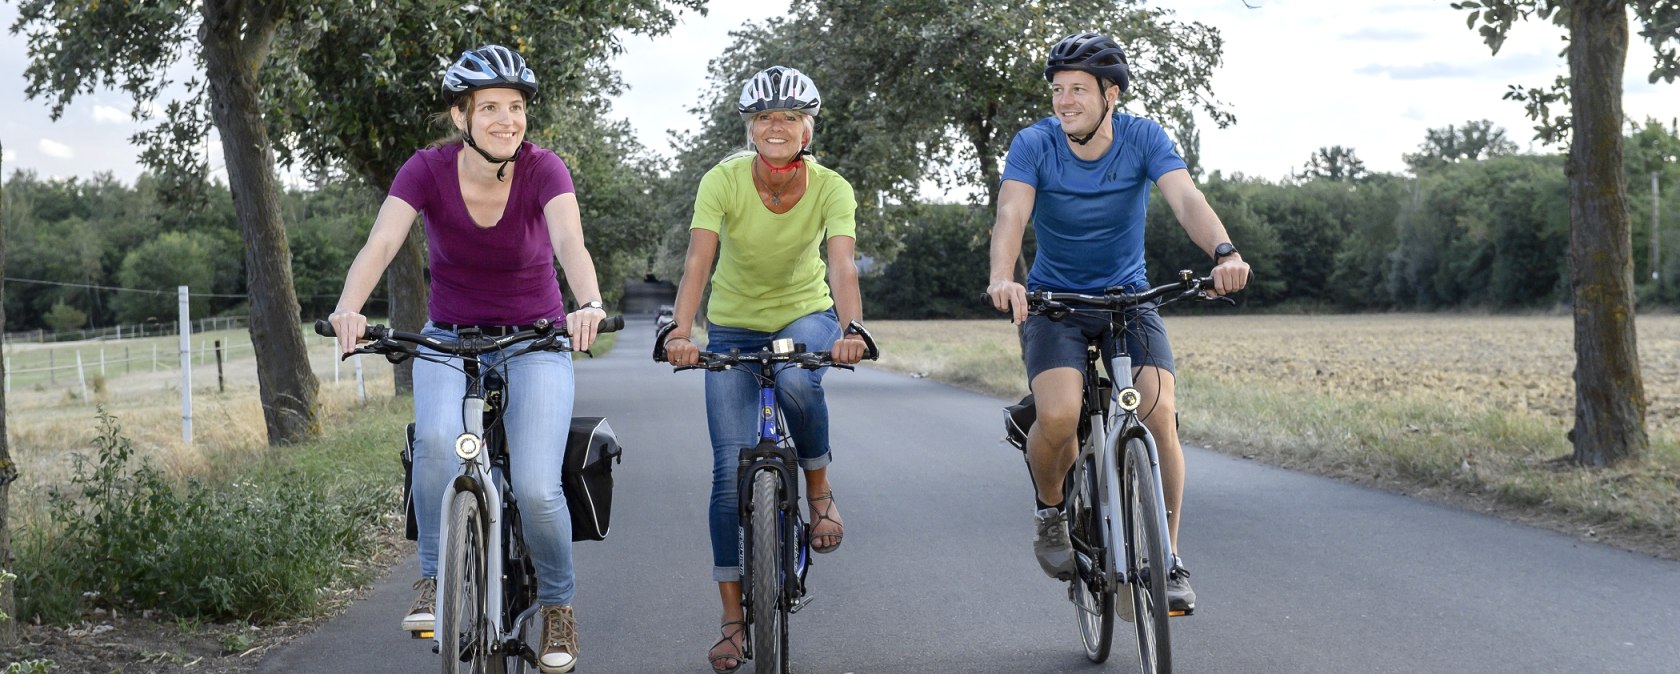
(324, 328)
(870, 350)
(612, 324)
(659, 341)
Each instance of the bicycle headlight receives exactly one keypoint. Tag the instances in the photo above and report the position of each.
(467, 446)
(1129, 399)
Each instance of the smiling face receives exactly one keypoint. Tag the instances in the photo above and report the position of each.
(1078, 101)
(496, 117)
(779, 135)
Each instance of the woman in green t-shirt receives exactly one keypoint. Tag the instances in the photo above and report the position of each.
(764, 216)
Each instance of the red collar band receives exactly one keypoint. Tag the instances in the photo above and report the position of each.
(773, 169)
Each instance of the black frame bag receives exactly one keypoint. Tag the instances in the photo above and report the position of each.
(591, 451)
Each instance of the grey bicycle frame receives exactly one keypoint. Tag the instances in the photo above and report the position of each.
(476, 478)
(1113, 429)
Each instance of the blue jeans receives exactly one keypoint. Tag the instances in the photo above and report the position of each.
(732, 415)
(538, 416)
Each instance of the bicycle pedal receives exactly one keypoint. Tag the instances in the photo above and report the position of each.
(420, 634)
(1181, 614)
(802, 602)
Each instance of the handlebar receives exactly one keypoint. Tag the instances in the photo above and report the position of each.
(1057, 304)
(397, 345)
(796, 355)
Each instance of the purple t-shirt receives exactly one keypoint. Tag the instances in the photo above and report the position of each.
(498, 275)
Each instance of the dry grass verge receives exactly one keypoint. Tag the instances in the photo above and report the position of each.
(1470, 410)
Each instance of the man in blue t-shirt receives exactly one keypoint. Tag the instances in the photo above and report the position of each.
(1082, 176)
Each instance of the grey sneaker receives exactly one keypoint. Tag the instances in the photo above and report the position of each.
(1179, 595)
(1050, 543)
(420, 618)
(560, 640)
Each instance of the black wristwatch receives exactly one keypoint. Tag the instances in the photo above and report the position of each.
(596, 304)
(1222, 251)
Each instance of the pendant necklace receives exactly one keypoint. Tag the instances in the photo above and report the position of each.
(776, 193)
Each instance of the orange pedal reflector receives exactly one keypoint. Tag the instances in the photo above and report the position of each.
(421, 634)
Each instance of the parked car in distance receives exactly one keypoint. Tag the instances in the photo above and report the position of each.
(667, 313)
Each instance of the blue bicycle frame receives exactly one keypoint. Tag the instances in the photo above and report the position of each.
(772, 454)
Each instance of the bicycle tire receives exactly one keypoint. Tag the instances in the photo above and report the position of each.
(1093, 599)
(769, 613)
(1147, 547)
(461, 620)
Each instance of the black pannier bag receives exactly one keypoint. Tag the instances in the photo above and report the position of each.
(1018, 420)
(591, 450)
(411, 527)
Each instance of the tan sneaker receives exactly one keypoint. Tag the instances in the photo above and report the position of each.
(420, 618)
(559, 641)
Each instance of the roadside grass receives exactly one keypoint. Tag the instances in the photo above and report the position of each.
(322, 512)
(1461, 409)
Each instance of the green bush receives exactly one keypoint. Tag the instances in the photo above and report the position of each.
(256, 550)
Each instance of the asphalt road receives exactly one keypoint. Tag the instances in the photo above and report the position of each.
(1294, 573)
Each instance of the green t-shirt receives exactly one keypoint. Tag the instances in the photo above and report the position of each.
(770, 269)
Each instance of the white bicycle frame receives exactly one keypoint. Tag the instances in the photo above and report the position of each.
(477, 478)
(1108, 466)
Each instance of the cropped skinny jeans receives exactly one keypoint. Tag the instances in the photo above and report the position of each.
(732, 416)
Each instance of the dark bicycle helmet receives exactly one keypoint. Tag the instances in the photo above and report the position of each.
(485, 67)
(1097, 54)
(779, 88)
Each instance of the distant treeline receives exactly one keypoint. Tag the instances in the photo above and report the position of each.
(96, 252)
(1481, 233)
(1489, 233)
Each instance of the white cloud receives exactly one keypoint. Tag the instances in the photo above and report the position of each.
(7, 156)
(105, 114)
(53, 148)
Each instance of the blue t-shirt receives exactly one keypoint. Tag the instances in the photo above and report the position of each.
(1089, 215)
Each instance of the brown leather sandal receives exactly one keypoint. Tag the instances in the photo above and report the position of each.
(818, 517)
(738, 657)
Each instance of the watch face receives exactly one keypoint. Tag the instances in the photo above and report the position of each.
(1222, 250)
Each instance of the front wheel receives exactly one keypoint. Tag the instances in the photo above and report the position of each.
(462, 625)
(1146, 531)
(1092, 597)
(768, 610)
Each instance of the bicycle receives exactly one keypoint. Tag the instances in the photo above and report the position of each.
(767, 483)
(1113, 494)
(484, 600)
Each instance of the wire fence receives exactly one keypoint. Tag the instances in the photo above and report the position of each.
(124, 331)
(74, 366)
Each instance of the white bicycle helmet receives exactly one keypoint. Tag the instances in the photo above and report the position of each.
(485, 67)
(780, 88)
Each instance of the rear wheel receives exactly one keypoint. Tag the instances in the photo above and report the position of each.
(1093, 599)
(461, 629)
(1146, 526)
(769, 615)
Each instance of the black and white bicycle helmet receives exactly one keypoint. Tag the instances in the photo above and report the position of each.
(1094, 53)
(780, 88)
(488, 66)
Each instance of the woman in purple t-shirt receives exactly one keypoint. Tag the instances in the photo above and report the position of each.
(496, 219)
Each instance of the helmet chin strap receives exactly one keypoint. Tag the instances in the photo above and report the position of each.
(500, 172)
(1094, 129)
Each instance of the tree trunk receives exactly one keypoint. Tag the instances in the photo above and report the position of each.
(236, 37)
(1609, 391)
(8, 471)
(405, 282)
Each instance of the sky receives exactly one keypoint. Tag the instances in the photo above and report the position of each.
(1298, 74)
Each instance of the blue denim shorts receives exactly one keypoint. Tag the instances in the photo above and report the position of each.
(1048, 344)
